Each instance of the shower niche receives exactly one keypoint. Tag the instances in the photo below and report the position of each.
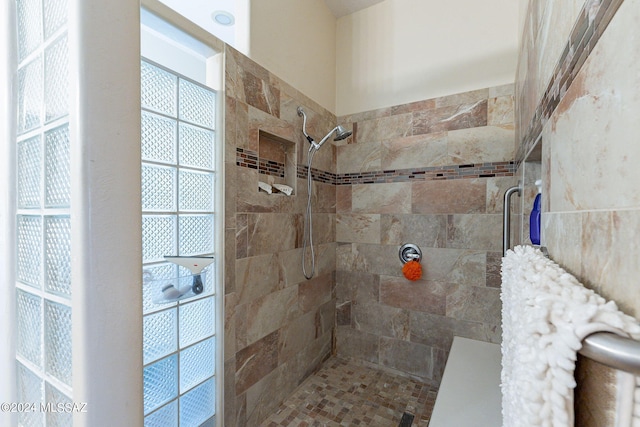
(276, 164)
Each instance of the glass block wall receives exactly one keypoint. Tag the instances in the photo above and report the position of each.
(178, 117)
(43, 270)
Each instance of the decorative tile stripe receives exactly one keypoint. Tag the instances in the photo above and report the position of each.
(317, 175)
(247, 158)
(270, 167)
(591, 24)
(476, 170)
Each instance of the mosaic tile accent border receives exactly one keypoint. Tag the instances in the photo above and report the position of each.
(246, 158)
(316, 175)
(476, 170)
(270, 167)
(249, 159)
(591, 24)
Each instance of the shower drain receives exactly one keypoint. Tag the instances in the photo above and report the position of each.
(407, 420)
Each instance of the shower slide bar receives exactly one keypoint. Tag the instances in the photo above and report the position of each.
(607, 348)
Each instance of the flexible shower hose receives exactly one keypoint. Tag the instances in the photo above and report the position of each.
(308, 221)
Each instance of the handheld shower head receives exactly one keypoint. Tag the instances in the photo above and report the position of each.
(341, 133)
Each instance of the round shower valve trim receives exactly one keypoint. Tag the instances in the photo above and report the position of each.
(409, 252)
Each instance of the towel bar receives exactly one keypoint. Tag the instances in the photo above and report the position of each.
(613, 350)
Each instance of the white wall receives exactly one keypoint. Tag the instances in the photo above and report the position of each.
(296, 40)
(401, 51)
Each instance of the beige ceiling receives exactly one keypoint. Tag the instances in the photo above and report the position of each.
(346, 7)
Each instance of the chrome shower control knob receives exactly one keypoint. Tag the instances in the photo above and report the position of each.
(409, 252)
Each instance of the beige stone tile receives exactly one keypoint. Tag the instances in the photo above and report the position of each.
(469, 115)
(448, 197)
(242, 128)
(359, 286)
(496, 188)
(343, 198)
(256, 276)
(356, 344)
(260, 120)
(230, 303)
(453, 266)
(384, 128)
(427, 104)
(437, 331)
(493, 273)
(290, 267)
(592, 135)
(241, 235)
(563, 235)
(358, 228)
(481, 145)
(374, 259)
(324, 228)
(381, 320)
(414, 151)
(295, 336)
(230, 392)
(323, 198)
(267, 314)
(325, 256)
(613, 275)
(504, 90)
(260, 94)
(343, 314)
(500, 111)
(229, 260)
(416, 295)
(361, 157)
(381, 198)
(422, 230)
(475, 304)
(413, 358)
(256, 361)
(264, 397)
(315, 292)
(270, 233)
(475, 231)
(462, 98)
(595, 394)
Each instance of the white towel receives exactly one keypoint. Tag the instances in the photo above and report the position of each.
(546, 313)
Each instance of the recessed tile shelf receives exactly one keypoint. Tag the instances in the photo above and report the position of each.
(275, 160)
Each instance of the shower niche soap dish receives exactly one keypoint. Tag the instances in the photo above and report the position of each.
(166, 290)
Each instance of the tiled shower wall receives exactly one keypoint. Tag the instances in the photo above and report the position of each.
(278, 326)
(577, 90)
(430, 173)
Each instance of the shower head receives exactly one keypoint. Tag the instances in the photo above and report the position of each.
(341, 133)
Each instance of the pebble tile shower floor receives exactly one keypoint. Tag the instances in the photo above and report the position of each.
(345, 393)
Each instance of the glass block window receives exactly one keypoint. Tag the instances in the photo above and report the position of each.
(43, 200)
(178, 177)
